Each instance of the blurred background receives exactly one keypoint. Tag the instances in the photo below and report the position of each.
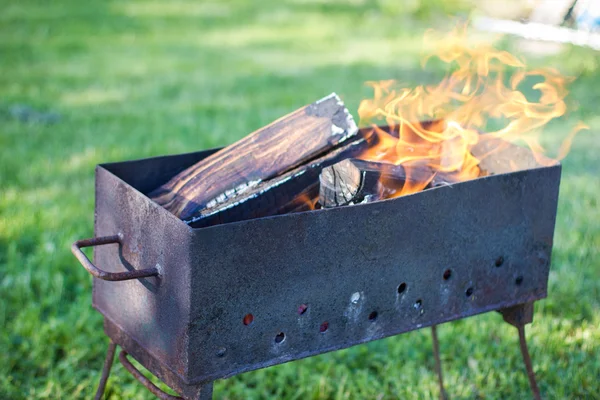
(88, 82)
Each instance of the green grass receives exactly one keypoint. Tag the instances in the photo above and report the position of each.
(142, 78)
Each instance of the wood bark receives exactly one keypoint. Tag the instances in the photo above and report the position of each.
(261, 156)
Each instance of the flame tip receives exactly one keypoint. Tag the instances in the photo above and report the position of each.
(471, 93)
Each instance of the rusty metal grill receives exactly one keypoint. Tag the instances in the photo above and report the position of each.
(196, 305)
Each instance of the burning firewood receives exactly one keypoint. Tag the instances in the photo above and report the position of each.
(261, 156)
(294, 191)
(352, 181)
(355, 181)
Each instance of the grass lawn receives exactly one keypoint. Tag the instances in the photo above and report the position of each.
(134, 79)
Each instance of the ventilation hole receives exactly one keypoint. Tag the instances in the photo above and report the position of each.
(373, 316)
(402, 288)
(499, 261)
(324, 326)
(469, 292)
(447, 274)
(518, 280)
(221, 352)
(248, 318)
(418, 304)
(280, 337)
(302, 309)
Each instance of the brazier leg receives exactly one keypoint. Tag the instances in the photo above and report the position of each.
(528, 366)
(519, 316)
(108, 362)
(438, 361)
(195, 392)
(204, 392)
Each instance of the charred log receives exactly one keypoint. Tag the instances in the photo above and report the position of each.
(355, 181)
(270, 152)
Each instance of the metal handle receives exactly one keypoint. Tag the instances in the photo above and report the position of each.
(97, 272)
(143, 380)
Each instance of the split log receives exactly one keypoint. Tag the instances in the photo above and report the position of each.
(355, 181)
(352, 181)
(263, 155)
(294, 191)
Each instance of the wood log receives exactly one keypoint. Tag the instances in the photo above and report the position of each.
(353, 181)
(294, 191)
(263, 155)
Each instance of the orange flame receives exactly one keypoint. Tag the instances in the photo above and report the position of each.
(482, 86)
